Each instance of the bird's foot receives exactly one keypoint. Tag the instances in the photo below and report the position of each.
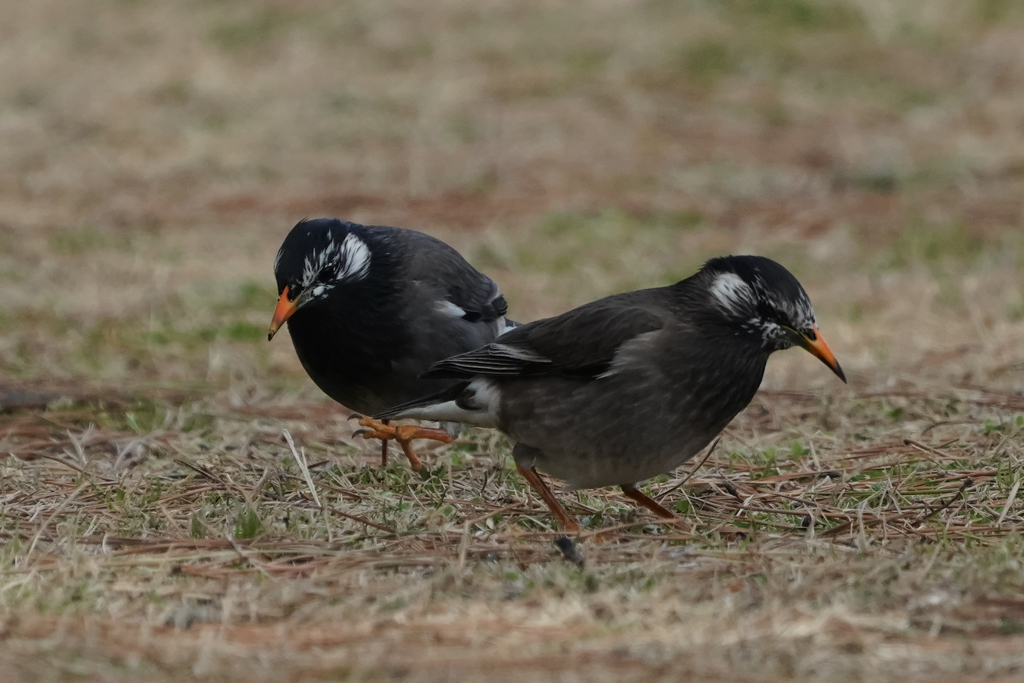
(403, 434)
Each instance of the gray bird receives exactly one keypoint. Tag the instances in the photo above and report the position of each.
(633, 385)
(370, 308)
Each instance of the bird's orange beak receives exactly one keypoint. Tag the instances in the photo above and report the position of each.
(284, 310)
(820, 349)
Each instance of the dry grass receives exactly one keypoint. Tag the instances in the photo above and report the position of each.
(818, 540)
(156, 525)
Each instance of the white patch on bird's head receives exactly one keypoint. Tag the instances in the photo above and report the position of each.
(772, 335)
(732, 294)
(354, 263)
(345, 262)
(794, 314)
(798, 312)
(761, 299)
(317, 262)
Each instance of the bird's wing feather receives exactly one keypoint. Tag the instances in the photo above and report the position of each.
(442, 271)
(581, 342)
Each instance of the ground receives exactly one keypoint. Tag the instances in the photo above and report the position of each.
(157, 524)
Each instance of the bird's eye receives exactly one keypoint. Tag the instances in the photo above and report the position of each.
(318, 290)
(810, 335)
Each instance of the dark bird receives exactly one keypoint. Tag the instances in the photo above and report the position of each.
(370, 308)
(633, 385)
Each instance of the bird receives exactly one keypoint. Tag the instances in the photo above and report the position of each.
(369, 308)
(632, 385)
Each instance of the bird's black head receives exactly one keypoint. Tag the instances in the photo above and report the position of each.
(761, 299)
(317, 257)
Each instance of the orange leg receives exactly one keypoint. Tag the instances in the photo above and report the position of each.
(384, 448)
(538, 485)
(403, 434)
(652, 505)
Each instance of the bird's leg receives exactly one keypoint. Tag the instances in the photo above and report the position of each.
(384, 448)
(403, 434)
(652, 505)
(538, 485)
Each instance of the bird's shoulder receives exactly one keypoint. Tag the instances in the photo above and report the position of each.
(441, 276)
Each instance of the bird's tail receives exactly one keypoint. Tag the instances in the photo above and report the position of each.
(475, 402)
(417, 408)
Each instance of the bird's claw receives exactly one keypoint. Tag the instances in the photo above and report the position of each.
(403, 434)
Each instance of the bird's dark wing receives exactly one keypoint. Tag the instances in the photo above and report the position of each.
(579, 343)
(443, 274)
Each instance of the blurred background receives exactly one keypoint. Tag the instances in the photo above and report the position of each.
(155, 154)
